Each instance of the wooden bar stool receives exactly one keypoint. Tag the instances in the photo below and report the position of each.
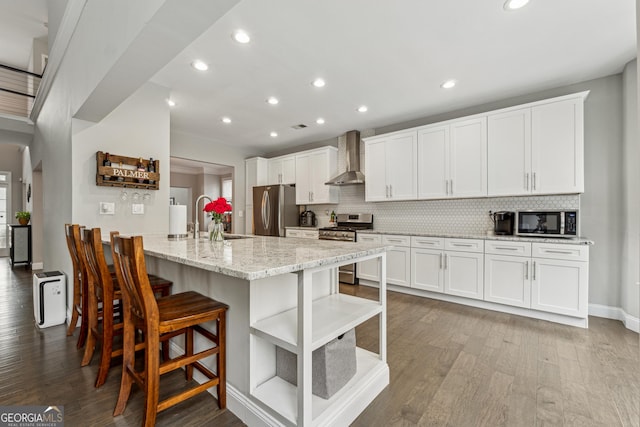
(72, 233)
(103, 292)
(160, 320)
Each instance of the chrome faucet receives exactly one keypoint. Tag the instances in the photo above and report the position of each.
(196, 228)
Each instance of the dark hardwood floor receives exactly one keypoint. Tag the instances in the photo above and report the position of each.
(450, 366)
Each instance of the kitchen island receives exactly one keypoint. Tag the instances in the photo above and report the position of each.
(280, 292)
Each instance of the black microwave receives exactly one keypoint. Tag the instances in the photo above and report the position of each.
(547, 223)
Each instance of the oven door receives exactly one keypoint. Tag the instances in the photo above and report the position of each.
(347, 274)
(540, 223)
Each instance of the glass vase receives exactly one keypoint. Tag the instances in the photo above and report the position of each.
(216, 231)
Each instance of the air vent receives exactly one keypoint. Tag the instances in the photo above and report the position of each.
(300, 126)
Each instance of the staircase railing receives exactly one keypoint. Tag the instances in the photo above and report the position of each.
(18, 90)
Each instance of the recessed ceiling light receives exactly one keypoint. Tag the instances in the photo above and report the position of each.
(241, 36)
(273, 134)
(171, 103)
(515, 4)
(362, 109)
(320, 121)
(226, 120)
(319, 83)
(448, 84)
(272, 100)
(199, 65)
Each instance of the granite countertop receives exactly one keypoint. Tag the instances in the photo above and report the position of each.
(567, 241)
(255, 257)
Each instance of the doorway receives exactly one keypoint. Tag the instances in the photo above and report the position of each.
(5, 212)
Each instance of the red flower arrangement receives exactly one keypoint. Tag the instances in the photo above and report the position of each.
(217, 208)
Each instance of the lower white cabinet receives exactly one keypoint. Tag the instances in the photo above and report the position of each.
(398, 260)
(304, 234)
(369, 270)
(507, 280)
(548, 277)
(463, 274)
(427, 262)
(560, 286)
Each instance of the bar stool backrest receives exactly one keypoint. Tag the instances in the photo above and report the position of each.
(131, 271)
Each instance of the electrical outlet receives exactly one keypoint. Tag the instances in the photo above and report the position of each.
(240, 214)
(137, 208)
(107, 208)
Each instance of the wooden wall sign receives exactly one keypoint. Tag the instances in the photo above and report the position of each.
(128, 172)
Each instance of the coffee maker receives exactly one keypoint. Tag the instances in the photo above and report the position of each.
(307, 219)
(503, 222)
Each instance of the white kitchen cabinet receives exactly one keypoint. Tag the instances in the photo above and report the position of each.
(255, 173)
(391, 167)
(509, 153)
(560, 279)
(427, 263)
(313, 169)
(369, 270)
(537, 149)
(282, 170)
(303, 234)
(557, 143)
(507, 273)
(464, 274)
(398, 260)
(452, 159)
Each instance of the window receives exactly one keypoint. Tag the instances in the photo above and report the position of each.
(227, 188)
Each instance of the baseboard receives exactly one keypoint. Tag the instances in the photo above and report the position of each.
(37, 266)
(630, 322)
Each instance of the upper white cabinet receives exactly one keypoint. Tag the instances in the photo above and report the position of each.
(282, 170)
(255, 174)
(537, 149)
(391, 167)
(452, 159)
(557, 147)
(313, 169)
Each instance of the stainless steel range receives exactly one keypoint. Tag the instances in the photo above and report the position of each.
(346, 230)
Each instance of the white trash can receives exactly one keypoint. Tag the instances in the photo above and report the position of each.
(49, 298)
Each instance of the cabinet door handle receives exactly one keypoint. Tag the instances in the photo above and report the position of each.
(445, 261)
(441, 255)
(423, 242)
(451, 186)
(464, 245)
(504, 248)
(552, 251)
(395, 240)
(390, 190)
(526, 271)
(446, 186)
(533, 271)
(534, 180)
(527, 179)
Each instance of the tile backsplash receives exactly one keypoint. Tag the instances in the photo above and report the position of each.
(464, 216)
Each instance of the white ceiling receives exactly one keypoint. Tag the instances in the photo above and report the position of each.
(21, 21)
(391, 56)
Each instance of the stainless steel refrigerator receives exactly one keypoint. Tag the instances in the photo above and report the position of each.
(274, 208)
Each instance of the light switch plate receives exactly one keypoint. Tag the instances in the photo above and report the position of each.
(107, 208)
(137, 208)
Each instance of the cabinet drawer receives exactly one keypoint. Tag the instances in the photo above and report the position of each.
(507, 248)
(395, 240)
(369, 238)
(464, 245)
(293, 233)
(560, 251)
(310, 234)
(427, 242)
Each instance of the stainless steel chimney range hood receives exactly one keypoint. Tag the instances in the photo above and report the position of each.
(353, 175)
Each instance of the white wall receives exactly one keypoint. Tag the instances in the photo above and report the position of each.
(139, 127)
(11, 161)
(630, 238)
